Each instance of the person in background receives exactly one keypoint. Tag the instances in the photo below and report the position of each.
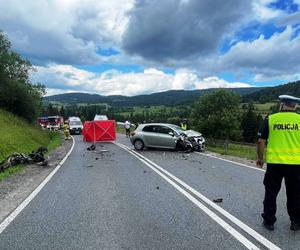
(183, 124)
(127, 126)
(281, 131)
(66, 130)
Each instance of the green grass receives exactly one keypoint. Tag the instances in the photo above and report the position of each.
(263, 109)
(19, 136)
(243, 151)
(10, 171)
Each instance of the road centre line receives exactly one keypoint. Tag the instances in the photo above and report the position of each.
(29, 198)
(237, 163)
(226, 214)
(242, 239)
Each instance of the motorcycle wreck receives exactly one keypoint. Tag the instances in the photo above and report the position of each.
(190, 141)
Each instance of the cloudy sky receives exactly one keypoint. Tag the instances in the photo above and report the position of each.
(133, 47)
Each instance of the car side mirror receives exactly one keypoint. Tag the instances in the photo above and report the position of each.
(171, 133)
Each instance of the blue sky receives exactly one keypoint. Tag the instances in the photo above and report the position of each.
(133, 48)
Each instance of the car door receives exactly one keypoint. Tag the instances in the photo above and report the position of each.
(164, 139)
(150, 135)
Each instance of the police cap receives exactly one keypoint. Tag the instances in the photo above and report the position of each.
(289, 99)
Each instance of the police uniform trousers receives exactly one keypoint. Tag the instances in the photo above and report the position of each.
(272, 181)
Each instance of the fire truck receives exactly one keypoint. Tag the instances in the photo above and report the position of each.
(51, 122)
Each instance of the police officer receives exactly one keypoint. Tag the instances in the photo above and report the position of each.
(282, 133)
(183, 124)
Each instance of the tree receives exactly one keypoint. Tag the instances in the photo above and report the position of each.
(250, 124)
(62, 111)
(216, 115)
(50, 111)
(17, 94)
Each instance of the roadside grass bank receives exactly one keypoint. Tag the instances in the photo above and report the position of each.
(10, 171)
(17, 135)
(246, 151)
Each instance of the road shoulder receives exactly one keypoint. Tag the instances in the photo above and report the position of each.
(15, 188)
(250, 163)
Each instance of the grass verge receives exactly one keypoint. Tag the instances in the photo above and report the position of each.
(17, 135)
(243, 151)
(10, 171)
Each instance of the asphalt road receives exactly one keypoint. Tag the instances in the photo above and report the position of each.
(118, 199)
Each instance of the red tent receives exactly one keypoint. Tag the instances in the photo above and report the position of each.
(97, 131)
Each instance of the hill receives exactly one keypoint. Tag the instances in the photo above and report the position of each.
(271, 93)
(17, 135)
(171, 97)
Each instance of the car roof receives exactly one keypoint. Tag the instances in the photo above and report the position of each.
(74, 118)
(157, 124)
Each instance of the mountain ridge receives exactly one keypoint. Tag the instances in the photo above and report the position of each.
(170, 97)
(175, 97)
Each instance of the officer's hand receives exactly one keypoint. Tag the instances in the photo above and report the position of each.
(259, 163)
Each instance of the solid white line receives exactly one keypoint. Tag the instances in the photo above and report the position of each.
(248, 244)
(237, 163)
(19, 209)
(229, 216)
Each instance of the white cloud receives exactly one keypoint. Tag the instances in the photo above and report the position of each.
(262, 11)
(62, 78)
(273, 57)
(64, 31)
(178, 34)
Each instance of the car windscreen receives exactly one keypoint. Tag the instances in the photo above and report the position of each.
(176, 128)
(75, 123)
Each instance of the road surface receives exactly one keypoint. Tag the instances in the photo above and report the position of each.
(123, 199)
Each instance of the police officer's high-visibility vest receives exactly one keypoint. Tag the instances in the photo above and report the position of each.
(183, 126)
(284, 139)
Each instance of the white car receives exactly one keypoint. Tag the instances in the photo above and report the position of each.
(100, 117)
(75, 125)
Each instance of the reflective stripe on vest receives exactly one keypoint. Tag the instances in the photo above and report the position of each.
(284, 139)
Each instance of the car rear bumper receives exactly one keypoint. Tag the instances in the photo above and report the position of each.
(76, 131)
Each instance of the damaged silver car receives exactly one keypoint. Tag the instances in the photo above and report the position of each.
(166, 136)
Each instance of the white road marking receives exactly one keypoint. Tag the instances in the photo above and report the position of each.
(226, 214)
(19, 209)
(237, 163)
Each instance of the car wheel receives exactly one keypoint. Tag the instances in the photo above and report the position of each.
(180, 146)
(138, 145)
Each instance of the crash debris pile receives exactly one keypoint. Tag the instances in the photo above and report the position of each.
(14, 159)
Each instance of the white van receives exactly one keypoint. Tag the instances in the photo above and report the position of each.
(75, 125)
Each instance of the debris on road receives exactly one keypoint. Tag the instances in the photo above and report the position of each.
(157, 187)
(89, 166)
(104, 150)
(219, 200)
(92, 147)
(96, 158)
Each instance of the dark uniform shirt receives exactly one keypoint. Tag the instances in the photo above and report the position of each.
(263, 132)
